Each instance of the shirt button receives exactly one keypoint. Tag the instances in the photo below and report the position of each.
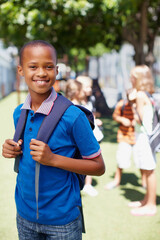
(32, 120)
(30, 129)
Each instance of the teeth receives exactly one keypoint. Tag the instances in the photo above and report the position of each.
(41, 82)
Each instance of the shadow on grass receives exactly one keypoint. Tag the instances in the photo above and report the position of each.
(110, 128)
(132, 194)
(94, 182)
(135, 195)
(129, 178)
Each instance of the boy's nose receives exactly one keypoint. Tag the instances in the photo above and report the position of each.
(41, 72)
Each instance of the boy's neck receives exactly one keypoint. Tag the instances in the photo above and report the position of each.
(37, 100)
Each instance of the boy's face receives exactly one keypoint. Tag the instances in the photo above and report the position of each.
(39, 68)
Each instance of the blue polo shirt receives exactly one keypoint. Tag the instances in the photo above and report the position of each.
(59, 194)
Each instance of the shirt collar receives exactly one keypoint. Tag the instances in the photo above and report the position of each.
(46, 105)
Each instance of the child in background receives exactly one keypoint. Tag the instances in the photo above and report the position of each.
(59, 193)
(74, 91)
(88, 102)
(123, 114)
(142, 81)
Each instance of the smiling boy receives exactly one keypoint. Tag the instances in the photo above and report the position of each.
(59, 198)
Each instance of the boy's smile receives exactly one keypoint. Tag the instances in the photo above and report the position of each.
(39, 69)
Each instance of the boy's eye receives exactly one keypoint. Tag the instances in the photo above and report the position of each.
(50, 67)
(32, 67)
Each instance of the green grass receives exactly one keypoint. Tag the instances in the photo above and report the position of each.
(107, 215)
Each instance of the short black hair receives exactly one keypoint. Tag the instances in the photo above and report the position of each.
(35, 43)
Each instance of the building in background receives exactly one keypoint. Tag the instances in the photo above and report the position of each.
(7, 70)
(113, 70)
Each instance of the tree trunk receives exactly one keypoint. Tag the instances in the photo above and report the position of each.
(76, 65)
(141, 40)
(101, 105)
(150, 59)
(87, 64)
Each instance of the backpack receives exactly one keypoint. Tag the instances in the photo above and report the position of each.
(154, 137)
(61, 104)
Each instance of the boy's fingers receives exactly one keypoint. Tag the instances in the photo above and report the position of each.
(34, 153)
(36, 142)
(12, 145)
(10, 154)
(15, 148)
(20, 141)
(34, 147)
(7, 155)
(9, 151)
(11, 142)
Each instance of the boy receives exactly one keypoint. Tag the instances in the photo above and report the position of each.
(59, 198)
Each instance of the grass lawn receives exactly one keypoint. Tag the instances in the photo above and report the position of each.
(107, 215)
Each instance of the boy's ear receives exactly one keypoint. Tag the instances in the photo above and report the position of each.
(57, 70)
(20, 70)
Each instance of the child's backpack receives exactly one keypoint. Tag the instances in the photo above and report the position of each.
(46, 129)
(154, 137)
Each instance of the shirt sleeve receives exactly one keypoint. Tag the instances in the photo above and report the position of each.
(84, 137)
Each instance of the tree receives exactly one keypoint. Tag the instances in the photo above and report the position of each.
(140, 21)
(82, 24)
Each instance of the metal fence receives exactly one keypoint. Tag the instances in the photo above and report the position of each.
(7, 72)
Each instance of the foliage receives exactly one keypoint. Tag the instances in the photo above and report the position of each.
(82, 24)
(66, 24)
(140, 22)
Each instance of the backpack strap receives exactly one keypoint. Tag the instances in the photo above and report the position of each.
(18, 133)
(42, 133)
(60, 106)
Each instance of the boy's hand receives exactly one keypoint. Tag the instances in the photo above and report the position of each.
(11, 149)
(41, 152)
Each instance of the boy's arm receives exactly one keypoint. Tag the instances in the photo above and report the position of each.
(41, 153)
(11, 149)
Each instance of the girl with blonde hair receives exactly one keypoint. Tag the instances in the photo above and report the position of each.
(74, 91)
(142, 80)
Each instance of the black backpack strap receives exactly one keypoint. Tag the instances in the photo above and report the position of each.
(18, 134)
(60, 106)
(54, 118)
